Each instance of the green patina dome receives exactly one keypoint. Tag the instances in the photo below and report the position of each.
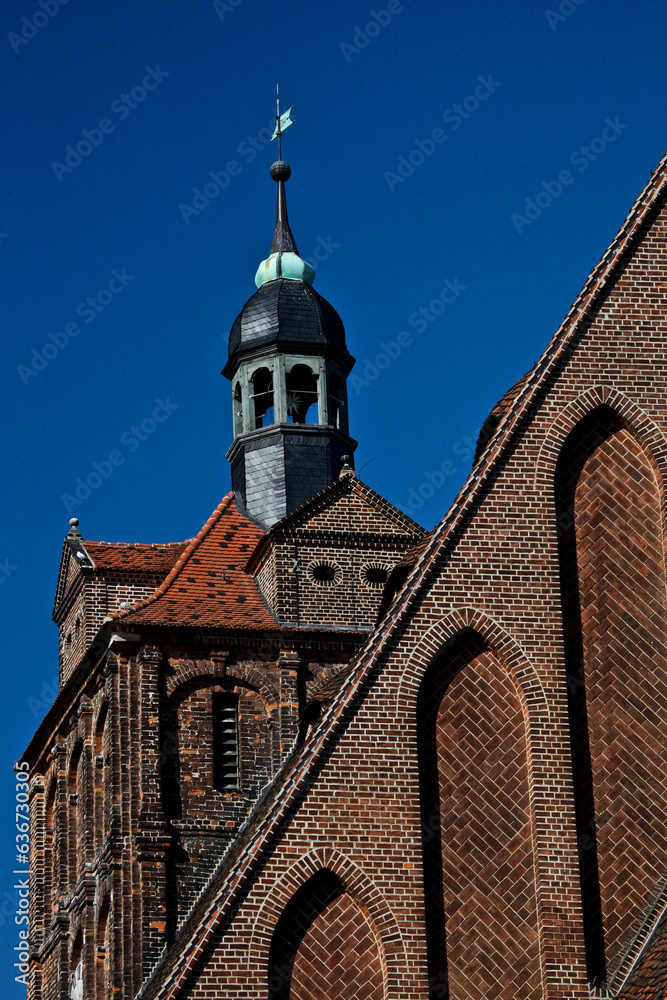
(284, 264)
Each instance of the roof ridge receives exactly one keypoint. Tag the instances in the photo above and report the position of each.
(181, 562)
(138, 545)
(292, 780)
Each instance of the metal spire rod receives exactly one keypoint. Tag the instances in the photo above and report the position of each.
(278, 122)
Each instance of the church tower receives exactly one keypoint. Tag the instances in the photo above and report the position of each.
(288, 364)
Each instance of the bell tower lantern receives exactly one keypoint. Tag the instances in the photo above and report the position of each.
(288, 366)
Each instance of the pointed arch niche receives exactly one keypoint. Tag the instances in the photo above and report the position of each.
(326, 930)
(610, 504)
(324, 945)
(480, 895)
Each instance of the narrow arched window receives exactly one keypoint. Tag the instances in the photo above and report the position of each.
(76, 991)
(50, 883)
(101, 777)
(102, 956)
(301, 387)
(262, 397)
(75, 806)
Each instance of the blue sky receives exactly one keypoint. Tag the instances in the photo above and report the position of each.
(426, 136)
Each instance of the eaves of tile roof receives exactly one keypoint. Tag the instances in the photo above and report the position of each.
(208, 586)
(134, 557)
(492, 422)
(648, 979)
(172, 972)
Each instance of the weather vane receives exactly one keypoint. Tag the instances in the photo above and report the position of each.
(282, 122)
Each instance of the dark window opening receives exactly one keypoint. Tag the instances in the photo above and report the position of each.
(225, 742)
(375, 575)
(324, 573)
(301, 387)
(262, 397)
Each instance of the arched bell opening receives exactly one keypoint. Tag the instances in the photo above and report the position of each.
(337, 403)
(261, 398)
(238, 410)
(301, 396)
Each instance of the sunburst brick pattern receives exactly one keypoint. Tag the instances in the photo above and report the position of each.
(324, 947)
(618, 702)
(476, 831)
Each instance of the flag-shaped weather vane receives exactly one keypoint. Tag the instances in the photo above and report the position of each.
(282, 122)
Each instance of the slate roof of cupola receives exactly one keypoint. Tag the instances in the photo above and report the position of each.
(289, 314)
(208, 586)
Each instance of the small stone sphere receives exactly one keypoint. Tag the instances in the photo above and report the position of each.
(280, 171)
(74, 522)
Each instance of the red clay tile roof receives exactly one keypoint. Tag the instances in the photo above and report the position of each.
(647, 981)
(496, 415)
(208, 586)
(134, 557)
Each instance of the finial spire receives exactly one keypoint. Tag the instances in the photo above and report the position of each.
(283, 260)
(280, 172)
(74, 528)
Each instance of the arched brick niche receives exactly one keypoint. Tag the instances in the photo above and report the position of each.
(218, 742)
(628, 412)
(325, 945)
(328, 879)
(609, 501)
(479, 870)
